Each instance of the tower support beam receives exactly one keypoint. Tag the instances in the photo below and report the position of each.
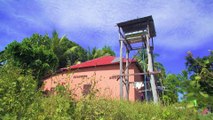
(151, 69)
(127, 74)
(121, 69)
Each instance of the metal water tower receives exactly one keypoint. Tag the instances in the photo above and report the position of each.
(134, 35)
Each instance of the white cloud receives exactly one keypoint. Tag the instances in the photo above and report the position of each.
(179, 24)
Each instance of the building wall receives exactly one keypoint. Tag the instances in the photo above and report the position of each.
(105, 79)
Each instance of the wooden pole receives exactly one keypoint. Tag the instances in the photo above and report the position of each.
(140, 74)
(127, 74)
(144, 77)
(150, 68)
(121, 69)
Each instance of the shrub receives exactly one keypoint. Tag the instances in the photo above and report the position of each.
(103, 109)
(56, 106)
(206, 117)
(17, 92)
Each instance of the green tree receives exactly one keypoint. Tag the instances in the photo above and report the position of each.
(202, 70)
(107, 50)
(33, 54)
(96, 53)
(173, 87)
(67, 51)
(169, 83)
(199, 85)
(43, 55)
(2, 58)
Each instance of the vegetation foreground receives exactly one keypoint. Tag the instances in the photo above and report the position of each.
(24, 65)
(20, 100)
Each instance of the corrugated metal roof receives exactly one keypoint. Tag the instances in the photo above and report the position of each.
(105, 60)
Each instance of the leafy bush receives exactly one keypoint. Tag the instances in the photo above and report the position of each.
(206, 117)
(17, 92)
(55, 106)
(103, 109)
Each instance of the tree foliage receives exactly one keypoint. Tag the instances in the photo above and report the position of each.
(17, 92)
(43, 55)
(34, 54)
(2, 58)
(96, 53)
(170, 93)
(199, 85)
(67, 51)
(169, 83)
(201, 69)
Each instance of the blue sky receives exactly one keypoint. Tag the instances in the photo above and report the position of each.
(181, 25)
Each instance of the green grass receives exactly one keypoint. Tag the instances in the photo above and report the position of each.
(102, 109)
